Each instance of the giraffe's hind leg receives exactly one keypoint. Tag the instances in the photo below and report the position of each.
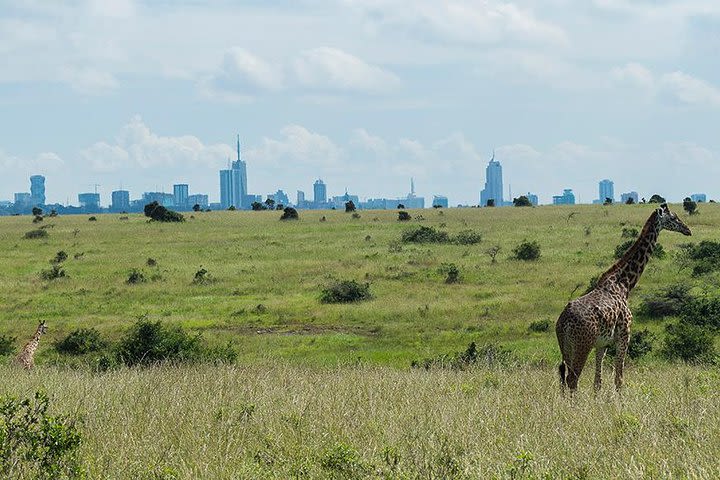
(599, 356)
(575, 368)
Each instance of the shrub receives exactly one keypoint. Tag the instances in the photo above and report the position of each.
(81, 341)
(196, 207)
(158, 213)
(404, 216)
(422, 234)
(54, 273)
(493, 252)
(488, 354)
(704, 312)
(630, 201)
(349, 206)
(257, 206)
(7, 345)
(468, 237)
(345, 291)
(92, 219)
(490, 203)
(37, 219)
(689, 343)
(452, 272)
(135, 277)
(232, 208)
(60, 257)
(689, 206)
(202, 277)
(289, 213)
(629, 232)
(343, 460)
(36, 445)
(527, 251)
(667, 302)
(522, 201)
(151, 262)
(539, 326)
(37, 211)
(640, 344)
(656, 199)
(356, 215)
(149, 343)
(33, 234)
(400, 206)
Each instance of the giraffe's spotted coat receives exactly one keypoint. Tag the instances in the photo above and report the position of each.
(602, 317)
(26, 357)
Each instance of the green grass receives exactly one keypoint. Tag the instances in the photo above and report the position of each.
(279, 422)
(254, 259)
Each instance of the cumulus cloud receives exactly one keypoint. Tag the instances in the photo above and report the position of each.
(297, 146)
(137, 146)
(89, 80)
(676, 86)
(241, 76)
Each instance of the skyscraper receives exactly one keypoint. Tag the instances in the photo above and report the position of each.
(233, 183)
(493, 184)
(320, 192)
(607, 190)
(120, 201)
(37, 189)
(180, 194)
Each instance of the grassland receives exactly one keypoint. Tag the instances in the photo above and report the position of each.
(267, 276)
(324, 391)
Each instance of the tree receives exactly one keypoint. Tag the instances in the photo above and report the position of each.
(257, 206)
(630, 201)
(196, 207)
(400, 206)
(689, 206)
(490, 203)
(656, 199)
(232, 208)
(280, 207)
(290, 214)
(349, 206)
(522, 201)
(159, 213)
(37, 211)
(608, 201)
(270, 203)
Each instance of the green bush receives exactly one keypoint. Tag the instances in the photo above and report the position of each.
(451, 271)
(703, 311)
(689, 343)
(81, 341)
(539, 326)
(7, 345)
(60, 257)
(53, 273)
(159, 213)
(35, 234)
(667, 302)
(135, 277)
(149, 343)
(289, 213)
(404, 216)
(527, 251)
(345, 291)
(422, 234)
(629, 232)
(640, 344)
(468, 237)
(34, 444)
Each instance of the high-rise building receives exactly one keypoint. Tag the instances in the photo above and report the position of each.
(37, 190)
(300, 199)
(198, 199)
(164, 199)
(319, 192)
(533, 199)
(567, 198)
(440, 201)
(180, 194)
(493, 184)
(120, 201)
(23, 199)
(698, 197)
(233, 183)
(624, 197)
(89, 202)
(606, 189)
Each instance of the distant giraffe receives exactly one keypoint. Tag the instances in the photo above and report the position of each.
(26, 357)
(602, 316)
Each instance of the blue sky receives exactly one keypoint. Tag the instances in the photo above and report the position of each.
(364, 94)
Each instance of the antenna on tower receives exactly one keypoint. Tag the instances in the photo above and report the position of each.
(238, 147)
(412, 186)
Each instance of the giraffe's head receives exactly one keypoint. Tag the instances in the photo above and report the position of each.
(42, 328)
(670, 221)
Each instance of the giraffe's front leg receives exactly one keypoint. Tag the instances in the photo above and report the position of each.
(622, 340)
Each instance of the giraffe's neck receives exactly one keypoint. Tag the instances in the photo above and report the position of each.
(627, 271)
(32, 345)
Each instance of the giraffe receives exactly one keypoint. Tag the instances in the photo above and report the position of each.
(27, 354)
(602, 316)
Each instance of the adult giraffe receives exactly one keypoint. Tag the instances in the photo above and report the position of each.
(602, 316)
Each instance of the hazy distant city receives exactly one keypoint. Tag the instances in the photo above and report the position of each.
(234, 195)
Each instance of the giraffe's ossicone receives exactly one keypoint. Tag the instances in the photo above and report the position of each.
(602, 317)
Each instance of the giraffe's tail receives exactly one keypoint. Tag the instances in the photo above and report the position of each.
(562, 370)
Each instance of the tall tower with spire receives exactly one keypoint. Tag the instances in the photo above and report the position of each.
(493, 184)
(233, 183)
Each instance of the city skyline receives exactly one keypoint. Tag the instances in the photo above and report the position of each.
(361, 93)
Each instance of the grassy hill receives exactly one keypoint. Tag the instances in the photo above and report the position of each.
(266, 277)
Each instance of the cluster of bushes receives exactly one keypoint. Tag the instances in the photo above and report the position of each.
(35, 234)
(345, 291)
(527, 250)
(159, 213)
(146, 343)
(423, 234)
(703, 257)
(487, 355)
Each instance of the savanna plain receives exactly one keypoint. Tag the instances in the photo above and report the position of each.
(325, 390)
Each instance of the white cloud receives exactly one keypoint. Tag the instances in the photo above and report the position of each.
(298, 147)
(89, 81)
(676, 86)
(333, 69)
(360, 138)
(112, 8)
(241, 76)
(138, 147)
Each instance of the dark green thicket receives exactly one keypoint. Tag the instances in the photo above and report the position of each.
(641, 343)
(669, 301)
(527, 251)
(53, 273)
(34, 444)
(345, 291)
(34, 234)
(81, 341)
(689, 343)
(159, 213)
(289, 213)
(539, 326)
(468, 237)
(7, 345)
(423, 234)
(404, 216)
(703, 257)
